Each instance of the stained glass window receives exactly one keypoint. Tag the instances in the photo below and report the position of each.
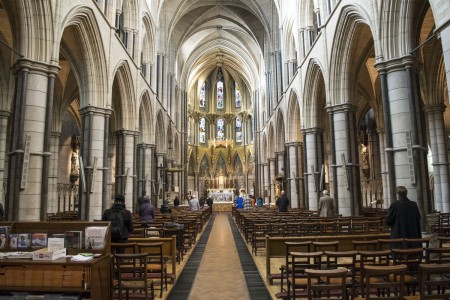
(202, 101)
(238, 130)
(237, 94)
(220, 95)
(202, 130)
(220, 130)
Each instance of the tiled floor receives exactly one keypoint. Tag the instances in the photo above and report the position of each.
(220, 276)
(220, 273)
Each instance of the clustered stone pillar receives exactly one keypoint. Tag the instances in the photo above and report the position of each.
(439, 151)
(314, 162)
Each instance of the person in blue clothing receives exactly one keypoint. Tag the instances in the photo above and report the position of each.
(259, 202)
(240, 201)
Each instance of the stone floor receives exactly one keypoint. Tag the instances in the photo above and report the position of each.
(220, 273)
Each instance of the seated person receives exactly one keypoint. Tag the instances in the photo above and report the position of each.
(165, 209)
(173, 224)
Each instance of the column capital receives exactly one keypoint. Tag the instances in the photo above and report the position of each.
(278, 153)
(312, 130)
(126, 132)
(95, 110)
(5, 114)
(396, 64)
(146, 145)
(293, 144)
(341, 108)
(36, 67)
(440, 107)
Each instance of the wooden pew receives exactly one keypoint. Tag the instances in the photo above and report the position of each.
(276, 247)
(169, 251)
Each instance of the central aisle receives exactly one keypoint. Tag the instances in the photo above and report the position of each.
(220, 274)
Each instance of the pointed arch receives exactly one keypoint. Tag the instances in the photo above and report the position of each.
(293, 118)
(281, 132)
(88, 57)
(314, 95)
(160, 136)
(145, 119)
(341, 88)
(123, 102)
(204, 169)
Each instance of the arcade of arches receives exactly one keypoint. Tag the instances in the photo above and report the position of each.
(171, 97)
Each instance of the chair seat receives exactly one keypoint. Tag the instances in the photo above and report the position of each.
(134, 284)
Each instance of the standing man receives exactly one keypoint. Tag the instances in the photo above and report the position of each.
(404, 218)
(282, 202)
(194, 204)
(247, 202)
(121, 220)
(326, 205)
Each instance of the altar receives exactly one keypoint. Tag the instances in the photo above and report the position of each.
(223, 199)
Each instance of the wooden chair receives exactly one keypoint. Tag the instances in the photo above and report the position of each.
(384, 244)
(377, 258)
(299, 262)
(344, 260)
(437, 255)
(179, 234)
(383, 282)
(292, 247)
(434, 283)
(412, 258)
(327, 284)
(259, 236)
(156, 263)
(371, 245)
(416, 243)
(134, 280)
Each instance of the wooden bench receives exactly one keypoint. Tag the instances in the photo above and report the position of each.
(169, 251)
(276, 247)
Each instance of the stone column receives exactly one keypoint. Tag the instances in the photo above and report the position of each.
(347, 174)
(266, 186)
(384, 170)
(294, 163)
(52, 205)
(313, 149)
(436, 125)
(28, 168)
(272, 179)
(94, 141)
(4, 117)
(281, 168)
(125, 154)
(160, 180)
(407, 152)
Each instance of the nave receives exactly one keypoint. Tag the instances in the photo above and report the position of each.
(220, 266)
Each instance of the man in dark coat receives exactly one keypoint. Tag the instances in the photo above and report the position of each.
(119, 205)
(404, 218)
(282, 202)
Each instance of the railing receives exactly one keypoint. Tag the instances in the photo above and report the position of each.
(67, 197)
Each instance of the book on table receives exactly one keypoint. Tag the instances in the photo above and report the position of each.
(23, 241)
(4, 231)
(38, 240)
(95, 237)
(74, 239)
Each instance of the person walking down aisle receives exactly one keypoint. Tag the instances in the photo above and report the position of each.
(404, 218)
(121, 220)
(194, 204)
(283, 202)
(326, 205)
